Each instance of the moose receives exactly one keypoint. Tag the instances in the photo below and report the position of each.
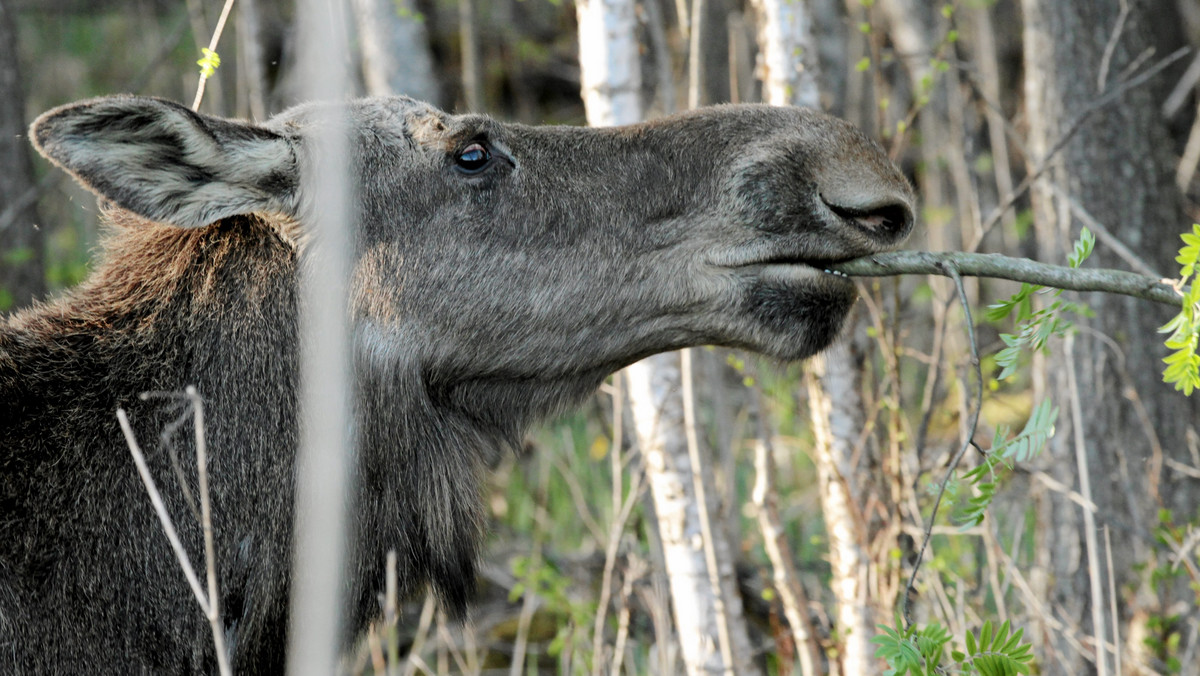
(500, 273)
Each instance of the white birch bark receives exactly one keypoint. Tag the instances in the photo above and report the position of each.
(609, 61)
(835, 406)
(698, 558)
(395, 49)
(787, 55)
(788, 69)
(711, 628)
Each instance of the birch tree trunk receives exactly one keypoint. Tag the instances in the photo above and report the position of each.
(787, 55)
(1123, 434)
(698, 556)
(468, 36)
(395, 49)
(610, 68)
(710, 625)
(789, 71)
(836, 408)
(252, 78)
(22, 245)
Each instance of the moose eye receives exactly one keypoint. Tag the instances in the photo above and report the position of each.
(473, 158)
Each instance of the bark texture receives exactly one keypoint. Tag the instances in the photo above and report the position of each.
(708, 617)
(836, 408)
(1128, 426)
(22, 246)
(789, 71)
(787, 55)
(610, 68)
(395, 49)
(711, 626)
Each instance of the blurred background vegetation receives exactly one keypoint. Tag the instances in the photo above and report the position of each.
(972, 98)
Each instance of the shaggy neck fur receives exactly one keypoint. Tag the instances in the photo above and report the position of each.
(169, 308)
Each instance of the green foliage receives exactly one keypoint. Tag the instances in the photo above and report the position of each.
(997, 654)
(920, 652)
(17, 255)
(986, 478)
(403, 11)
(537, 576)
(209, 62)
(1036, 327)
(1183, 364)
(912, 650)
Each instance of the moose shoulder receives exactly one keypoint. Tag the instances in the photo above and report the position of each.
(501, 272)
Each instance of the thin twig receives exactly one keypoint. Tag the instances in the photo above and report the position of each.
(1089, 517)
(1073, 128)
(1112, 602)
(765, 497)
(164, 518)
(1182, 90)
(161, 510)
(910, 589)
(1103, 233)
(530, 602)
(1015, 269)
(622, 509)
(166, 441)
(635, 570)
(212, 47)
(210, 550)
(1111, 47)
(414, 661)
(391, 614)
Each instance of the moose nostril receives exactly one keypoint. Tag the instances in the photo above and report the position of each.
(889, 221)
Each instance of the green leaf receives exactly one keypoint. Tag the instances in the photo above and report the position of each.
(209, 62)
(1083, 248)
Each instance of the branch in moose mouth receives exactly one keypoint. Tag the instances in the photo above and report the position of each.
(1015, 269)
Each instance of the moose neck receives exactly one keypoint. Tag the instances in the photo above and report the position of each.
(172, 308)
(426, 440)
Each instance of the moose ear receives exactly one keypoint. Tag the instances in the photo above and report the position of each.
(162, 161)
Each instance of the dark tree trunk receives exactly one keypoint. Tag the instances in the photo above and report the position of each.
(22, 246)
(1119, 438)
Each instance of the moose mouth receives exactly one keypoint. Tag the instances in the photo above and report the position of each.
(799, 268)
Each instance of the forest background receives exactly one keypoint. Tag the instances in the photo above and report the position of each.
(1020, 124)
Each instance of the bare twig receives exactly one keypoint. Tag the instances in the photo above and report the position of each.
(1089, 517)
(8, 215)
(1043, 163)
(414, 660)
(1112, 602)
(391, 614)
(787, 582)
(696, 74)
(622, 509)
(530, 603)
(1103, 233)
(949, 270)
(208, 604)
(210, 551)
(1186, 168)
(212, 47)
(637, 568)
(161, 510)
(1015, 269)
(1113, 39)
